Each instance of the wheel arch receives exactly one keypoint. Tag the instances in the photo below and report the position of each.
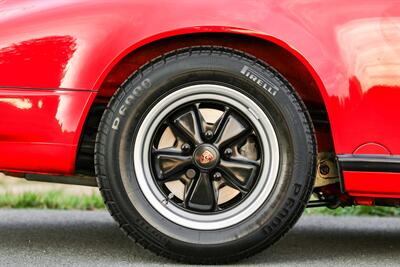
(263, 46)
(280, 55)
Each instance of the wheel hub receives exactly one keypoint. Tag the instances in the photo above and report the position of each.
(206, 156)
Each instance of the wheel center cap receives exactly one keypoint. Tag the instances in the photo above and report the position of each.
(206, 156)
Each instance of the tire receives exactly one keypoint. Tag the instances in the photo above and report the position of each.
(193, 226)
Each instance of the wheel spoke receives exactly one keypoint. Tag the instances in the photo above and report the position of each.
(169, 163)
(230, 129)
(201, 194)
(221, 122)
(189, 125)
(243, 160)
(239, 174)
(200, 121)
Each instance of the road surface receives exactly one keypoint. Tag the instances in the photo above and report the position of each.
(86, 238)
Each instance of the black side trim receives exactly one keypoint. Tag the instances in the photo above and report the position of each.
(369, 163)
(16, 88)
(77, 180)
(340, 173)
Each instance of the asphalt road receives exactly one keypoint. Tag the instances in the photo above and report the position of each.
(75, 238)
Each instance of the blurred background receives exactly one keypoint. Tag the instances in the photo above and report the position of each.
(18, 193)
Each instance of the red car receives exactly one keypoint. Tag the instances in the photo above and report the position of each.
(207, 124)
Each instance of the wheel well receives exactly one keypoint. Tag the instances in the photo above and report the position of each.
(276, 56)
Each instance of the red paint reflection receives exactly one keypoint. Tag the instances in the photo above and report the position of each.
(20, 60)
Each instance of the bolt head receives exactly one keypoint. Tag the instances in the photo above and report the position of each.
(217, 176)
(324, 169)
(209, 134)
(185, 147)
(190, 173)
(228, 152)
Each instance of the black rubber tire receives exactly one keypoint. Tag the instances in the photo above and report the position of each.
(138, 219)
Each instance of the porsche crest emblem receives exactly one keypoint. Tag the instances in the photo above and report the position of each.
(206, 157)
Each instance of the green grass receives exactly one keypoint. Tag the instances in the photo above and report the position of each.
(355, 211)
(63, 201)
(51, 200)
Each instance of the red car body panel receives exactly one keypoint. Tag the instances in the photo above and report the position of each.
(38, 128)
(58, 53)
(374, 185)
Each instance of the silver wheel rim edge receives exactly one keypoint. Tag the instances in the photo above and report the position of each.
(268, 174)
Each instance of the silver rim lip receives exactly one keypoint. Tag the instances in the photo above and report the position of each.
(268, 174)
